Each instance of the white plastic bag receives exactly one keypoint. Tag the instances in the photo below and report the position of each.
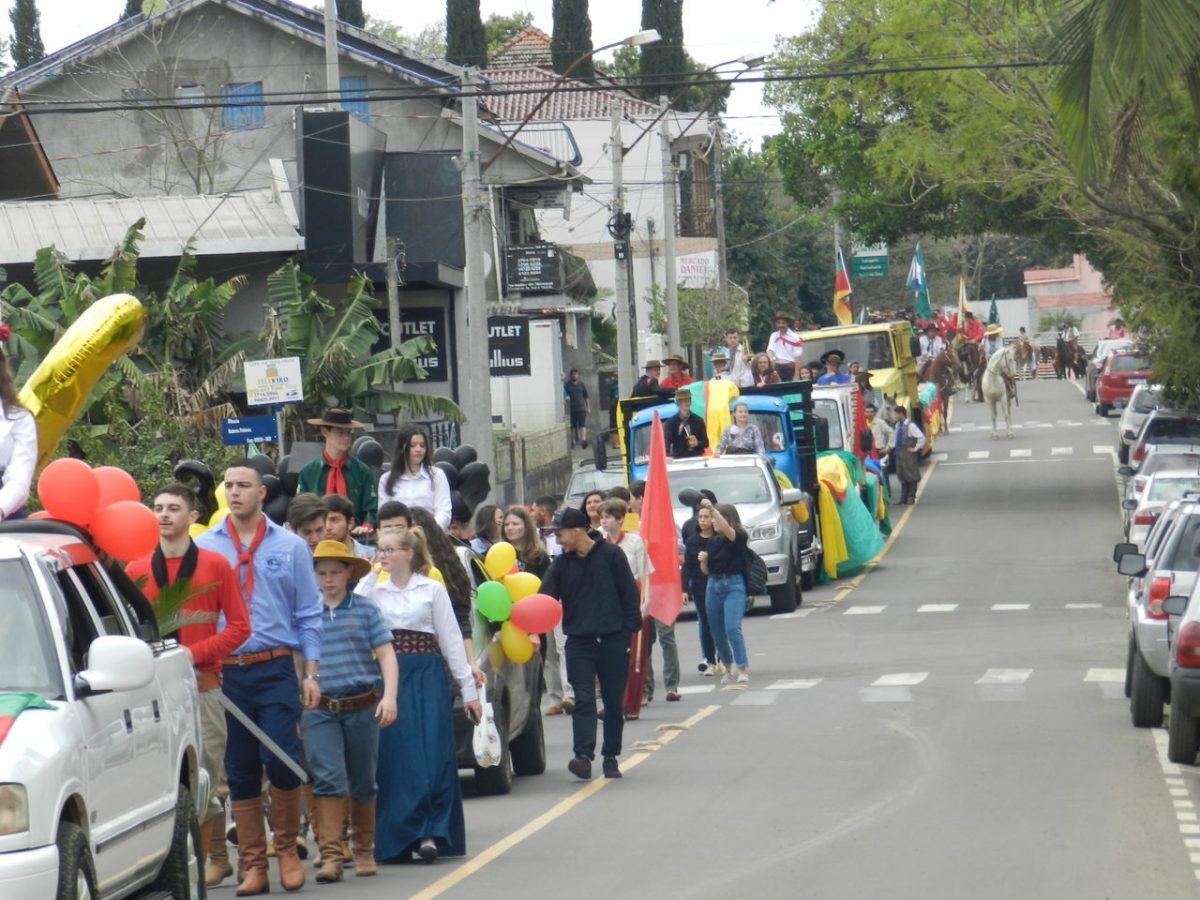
(486, 740)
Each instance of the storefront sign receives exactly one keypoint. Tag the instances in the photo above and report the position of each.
(508, 346)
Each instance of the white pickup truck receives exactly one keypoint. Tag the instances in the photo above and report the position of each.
(100, 793)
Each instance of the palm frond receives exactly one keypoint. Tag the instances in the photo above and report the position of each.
(417, 406)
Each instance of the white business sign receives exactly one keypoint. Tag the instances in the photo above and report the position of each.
(696, 270)
(864, 250)
(271, 382)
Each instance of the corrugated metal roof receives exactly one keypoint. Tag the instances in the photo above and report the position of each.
(89, 229)
(562, 106)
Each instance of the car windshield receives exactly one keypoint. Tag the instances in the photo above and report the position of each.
(1159, 462)
(592, 480)
(1170, 428)
(872, 350)
(1145, 401)
(1185, 554)
(828, 410)
(29, 662)
(743, 484)
(1128, 364)
(1165, 490)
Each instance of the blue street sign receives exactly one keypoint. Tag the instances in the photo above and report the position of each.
(249, 430)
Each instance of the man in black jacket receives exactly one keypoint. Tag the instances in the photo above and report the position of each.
(685, 432)
(601, 612)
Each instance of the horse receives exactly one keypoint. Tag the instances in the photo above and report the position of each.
(943, 371)
(1025, 354)
(1069, 359)
(994, 382)
(971, 359)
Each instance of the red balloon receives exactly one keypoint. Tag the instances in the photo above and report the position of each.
(116, 485)
(69, 490)
(125, 530)
(536, 614)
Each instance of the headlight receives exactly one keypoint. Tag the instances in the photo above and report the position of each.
(14, 809)
(765, 532)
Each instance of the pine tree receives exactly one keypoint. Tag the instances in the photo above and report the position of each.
(26, 45)
(664, 62)
(132, 8)
(351, 12)
(466, 39)
(572, 38)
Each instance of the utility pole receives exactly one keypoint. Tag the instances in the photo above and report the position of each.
(719, 211)
(621, 250)
(475, 388)
(670, 275)
(333, 79)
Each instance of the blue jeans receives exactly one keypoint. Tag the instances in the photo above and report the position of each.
(726, 602)
(342, 751)
(269, 694)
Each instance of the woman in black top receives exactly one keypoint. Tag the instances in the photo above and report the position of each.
(695, 587)
(520, 531)
(725, 564)
(591, 508)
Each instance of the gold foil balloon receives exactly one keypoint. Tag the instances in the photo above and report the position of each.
(60, 385)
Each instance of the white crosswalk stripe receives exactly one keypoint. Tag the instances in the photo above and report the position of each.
(1101, 449)
(1019, 454)
(979, 454)
(900, 679)
(937, 607)
(1005, 676)
(1105, 676)
(1009, 607)
(1084, 606)
(1062, 451)
(864, 610)
(794, 684)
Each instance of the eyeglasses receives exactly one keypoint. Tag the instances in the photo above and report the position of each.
(388, 551)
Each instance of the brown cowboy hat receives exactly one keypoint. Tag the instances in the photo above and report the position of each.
(676, 358)
(652, 364)
(787, 317)
(337, 550)
(337, 418)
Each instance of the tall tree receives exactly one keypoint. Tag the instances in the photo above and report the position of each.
(500, 27)
(466, 39)
(572, 38)
(351, 12)
(665, 62)
(132, 8)
(27, 45)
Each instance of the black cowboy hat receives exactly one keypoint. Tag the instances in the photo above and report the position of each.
(930, 327)
(337, 418)
(834, 356)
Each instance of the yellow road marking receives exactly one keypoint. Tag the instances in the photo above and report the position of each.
(560, 809)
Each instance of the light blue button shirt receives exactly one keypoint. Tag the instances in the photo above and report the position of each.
(285, 610)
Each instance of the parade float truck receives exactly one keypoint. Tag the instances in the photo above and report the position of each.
(883, 349)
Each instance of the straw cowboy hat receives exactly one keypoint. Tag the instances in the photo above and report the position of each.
(676, 358)
(337, 550)
(993, 331)
(337, 418)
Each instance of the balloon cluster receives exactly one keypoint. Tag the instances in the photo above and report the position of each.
(105, 501)
(469, 479)
(511, 599)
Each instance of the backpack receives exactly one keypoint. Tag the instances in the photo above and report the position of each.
(755, 574)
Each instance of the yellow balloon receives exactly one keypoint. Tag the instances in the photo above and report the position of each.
(495, 655)
(217, 518)
(436, 574)
(196, 529)
(521, 585)
(61, 383)
(516, 643)
(500, 559)
(222, 501)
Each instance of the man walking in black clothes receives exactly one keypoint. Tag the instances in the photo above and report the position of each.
(595, 585)
(685, 432)
(578, 405)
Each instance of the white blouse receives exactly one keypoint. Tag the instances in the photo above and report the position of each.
(428, 489)
(18, 458)
(423, 605)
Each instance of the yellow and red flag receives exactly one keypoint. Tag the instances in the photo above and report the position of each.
(664, 589)
(842, 292)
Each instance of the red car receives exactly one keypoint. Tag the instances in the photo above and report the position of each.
(1122, 372)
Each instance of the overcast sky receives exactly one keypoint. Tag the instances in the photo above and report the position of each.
(714, 31)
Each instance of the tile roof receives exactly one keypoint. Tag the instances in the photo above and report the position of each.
(529, 85)
(528, 47)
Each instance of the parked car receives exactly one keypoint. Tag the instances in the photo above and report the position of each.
(1164, 427)
(1180, 458)
(1122, 372)
(1183, 731)
(1104, 349)
(588, 478)
(515, 692)
(1171, 570)
(1162, 488)
(1145, 399)
(100, 794)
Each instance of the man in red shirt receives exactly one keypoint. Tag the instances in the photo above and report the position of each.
(213, 593)
(677, 377)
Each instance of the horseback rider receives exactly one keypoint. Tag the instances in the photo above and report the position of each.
(993, 343)
(1065, 347)
(931, 345)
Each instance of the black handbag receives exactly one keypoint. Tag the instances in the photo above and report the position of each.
(755, 574)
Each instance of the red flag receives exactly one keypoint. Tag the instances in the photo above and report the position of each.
(657, 529)
(842, 292)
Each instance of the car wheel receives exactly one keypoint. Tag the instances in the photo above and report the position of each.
(1147, 697)
(1183, 735)
(808, 580)
(182, 871)
(528, 749)
(76, 875)
(497, 779)
(1129, 666)
(783, 596)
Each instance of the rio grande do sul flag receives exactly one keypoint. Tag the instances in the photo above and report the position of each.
(841, 292)
(12, 705)
(664, 589)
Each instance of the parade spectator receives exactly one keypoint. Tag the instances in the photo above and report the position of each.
(695, 585)
(335, 471)
(394, 514)
(612, 513)
(785, 347)
(461, 528)
(720, 366)
(274, 568)
(218, 624)
(590, 506)
(306, 518)
(805, 373)
(854, 371)
(419, 802)
(1116, 330)
(906, 447)
(488, 522)
(578, 407)
(647, 385)
(341, 736)
(741, 435)
(761, 371)
(738, 367)
(684, 432)
(601, 612)
(339, 525)
(520, 531)
(413, 479)
(677, 376)
(724, 561)
(832, 360)
(543, 517)
(18, 443)
(882, 436)
(559, 694)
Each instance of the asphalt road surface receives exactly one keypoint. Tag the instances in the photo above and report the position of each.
(952, 724)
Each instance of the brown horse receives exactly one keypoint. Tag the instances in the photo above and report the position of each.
(1025, 354)
(1069, 359)
(943, 371)
(971, 364)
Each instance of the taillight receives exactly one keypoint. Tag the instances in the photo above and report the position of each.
(1139, 452)
(1139, 485)
(1187, 646)
(1160, 590)
(1145, 518)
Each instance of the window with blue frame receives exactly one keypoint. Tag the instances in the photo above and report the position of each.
(245, 109)
(354, 96)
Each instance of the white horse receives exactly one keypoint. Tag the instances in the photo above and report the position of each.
(995, 389)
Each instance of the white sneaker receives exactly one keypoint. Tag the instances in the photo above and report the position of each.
(718, 669)
(743, 677)
(727, 678)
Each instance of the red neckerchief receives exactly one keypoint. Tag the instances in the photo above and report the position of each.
(787, 340)
(335, 481)
(246, 557)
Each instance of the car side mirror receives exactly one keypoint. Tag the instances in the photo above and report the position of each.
(116, 663)
(1125, 471)
(1121, 549)
(1175, 606)
(1132, 565)
(791, 496)
(1129, 504)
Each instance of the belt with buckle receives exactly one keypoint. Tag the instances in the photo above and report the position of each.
(250, 659)
(349, 704)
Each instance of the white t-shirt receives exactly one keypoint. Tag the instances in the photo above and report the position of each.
(18, 458)
(428, 490)
(786, 347)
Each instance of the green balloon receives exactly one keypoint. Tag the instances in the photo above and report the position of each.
(493, 602)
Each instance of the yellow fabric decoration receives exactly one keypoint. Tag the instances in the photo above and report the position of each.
(714, 398)
(833, 471)
(799, 510)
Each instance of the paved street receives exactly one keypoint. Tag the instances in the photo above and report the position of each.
(952, 724)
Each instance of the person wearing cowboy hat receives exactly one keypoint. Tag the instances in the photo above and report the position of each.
(720, 365)
(647, 385)
(832, 360)
(993, 340)
(931, 342)
(341, 736)
(677, 377)
(785, 347)
(335, 471)
(684, 432)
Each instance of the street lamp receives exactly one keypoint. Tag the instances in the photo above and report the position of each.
(649, 36)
